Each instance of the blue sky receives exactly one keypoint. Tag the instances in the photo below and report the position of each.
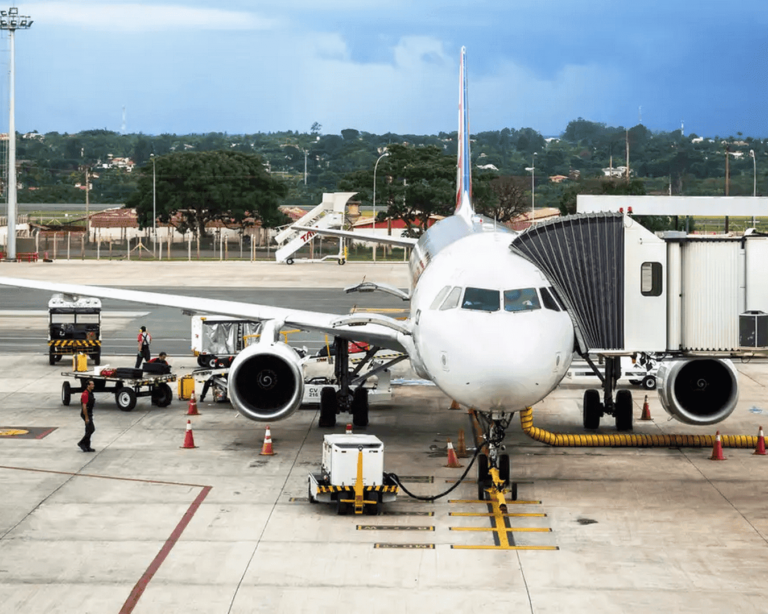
(389, 65)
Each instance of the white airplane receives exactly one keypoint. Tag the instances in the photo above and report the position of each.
(485, 326)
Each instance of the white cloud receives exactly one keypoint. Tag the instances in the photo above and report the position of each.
(143, 17)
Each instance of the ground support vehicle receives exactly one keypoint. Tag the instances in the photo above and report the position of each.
(217, 339)
(74, 326)
(352, 475)
(126, 391)
(218, 381)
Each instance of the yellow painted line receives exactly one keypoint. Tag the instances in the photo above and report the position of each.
(505, 547)
(484, 501)
(504, 529)
(489, 514)
(374, 527)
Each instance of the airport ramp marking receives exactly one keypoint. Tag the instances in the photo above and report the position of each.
(138, 590)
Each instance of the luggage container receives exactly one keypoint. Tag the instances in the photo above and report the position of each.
(186, 387)
(217, 339)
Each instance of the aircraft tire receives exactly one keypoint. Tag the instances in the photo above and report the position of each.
(360, 407)
(623, 410)
(591, 409)
(482, 476)
(504, 468)
(328, 407)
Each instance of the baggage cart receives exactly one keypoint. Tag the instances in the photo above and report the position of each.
(126, 391)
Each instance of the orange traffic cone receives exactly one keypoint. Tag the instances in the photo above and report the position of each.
(760, 449)
(461, 446)
(349, 430)
(453, 461)
(646, 415)
(454, 405)
(189, 440)
(266, 449)
(717, 449)
(192, 409)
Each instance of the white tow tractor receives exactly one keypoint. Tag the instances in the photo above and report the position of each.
(352, 475)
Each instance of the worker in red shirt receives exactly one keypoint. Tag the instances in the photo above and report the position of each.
(144, 339)
(87, 401)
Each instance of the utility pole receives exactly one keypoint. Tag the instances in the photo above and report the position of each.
(87, 208)
(727, 180)
(626, 142)
(11, 20)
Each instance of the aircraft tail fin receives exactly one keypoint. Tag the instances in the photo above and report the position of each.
(464, 162)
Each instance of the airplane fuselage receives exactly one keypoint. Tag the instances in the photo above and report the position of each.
(487, 329)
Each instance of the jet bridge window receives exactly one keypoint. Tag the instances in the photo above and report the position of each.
(650, 279)
(452, 300)
(525, 299)
(439, 298)
(481, 299)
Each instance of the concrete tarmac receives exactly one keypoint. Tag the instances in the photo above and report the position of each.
(142, 525)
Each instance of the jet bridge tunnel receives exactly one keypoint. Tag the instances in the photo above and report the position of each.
(628, 290)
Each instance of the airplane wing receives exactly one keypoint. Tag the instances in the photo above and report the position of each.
(373, 328)
(359, 236)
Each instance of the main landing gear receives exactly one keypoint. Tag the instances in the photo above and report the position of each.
(619, 407)
(351, 396)
(493, 467)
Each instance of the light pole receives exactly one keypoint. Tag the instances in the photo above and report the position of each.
(375, 166)
(11, 20)
(754, 178)
(154, 206)
(532, 170)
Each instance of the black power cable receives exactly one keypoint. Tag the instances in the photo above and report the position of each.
(394, 478)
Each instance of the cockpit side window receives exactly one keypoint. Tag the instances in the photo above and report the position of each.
(452, 300)
(525, 299)
(481, 299)
(439, 298)
(549, 300)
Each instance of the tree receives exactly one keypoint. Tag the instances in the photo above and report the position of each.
(201, 187)
(510, 200)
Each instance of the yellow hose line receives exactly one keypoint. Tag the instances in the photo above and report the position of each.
(622, 440)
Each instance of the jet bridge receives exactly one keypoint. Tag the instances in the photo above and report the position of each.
(693, 300)
(328, 214)
(628, 290)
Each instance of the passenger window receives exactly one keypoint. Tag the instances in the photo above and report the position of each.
(481, 299)
(650, 279)
(521, 300)
(439, 298)
(452, 300)
(549, 300)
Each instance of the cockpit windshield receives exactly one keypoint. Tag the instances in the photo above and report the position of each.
(525, 299)
(481, 299)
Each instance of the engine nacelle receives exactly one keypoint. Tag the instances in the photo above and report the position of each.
(698, 391)
(266, 382)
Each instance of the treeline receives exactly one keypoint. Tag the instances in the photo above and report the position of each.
(52, 165)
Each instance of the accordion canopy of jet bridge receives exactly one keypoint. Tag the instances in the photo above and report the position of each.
(628, 290)
(606, 270)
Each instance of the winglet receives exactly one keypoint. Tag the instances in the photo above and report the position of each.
(464, 161)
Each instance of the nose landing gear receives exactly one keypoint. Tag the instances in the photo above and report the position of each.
(493, 468)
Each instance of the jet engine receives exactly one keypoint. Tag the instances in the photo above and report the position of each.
(698, 391)
(266, 382)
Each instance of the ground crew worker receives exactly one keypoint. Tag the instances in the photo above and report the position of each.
(144, 339)
(161, 358)
(87, 401)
